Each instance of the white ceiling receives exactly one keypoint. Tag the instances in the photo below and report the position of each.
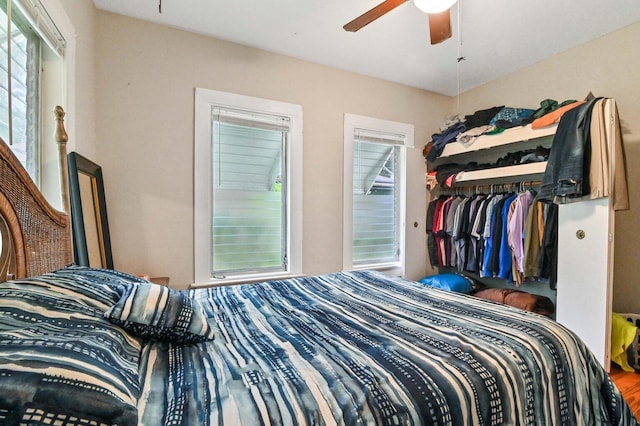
(496, 37)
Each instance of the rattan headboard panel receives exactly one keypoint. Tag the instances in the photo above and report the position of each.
(41, 234)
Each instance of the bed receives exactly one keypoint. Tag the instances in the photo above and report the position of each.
(86, 346)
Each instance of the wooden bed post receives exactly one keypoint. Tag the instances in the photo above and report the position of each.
(61, 139)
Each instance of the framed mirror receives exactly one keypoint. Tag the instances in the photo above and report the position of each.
(90, 227)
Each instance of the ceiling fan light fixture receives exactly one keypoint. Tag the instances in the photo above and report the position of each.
(433, 6)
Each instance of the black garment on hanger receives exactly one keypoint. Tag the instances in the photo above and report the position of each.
(567, 172)
(431, 239)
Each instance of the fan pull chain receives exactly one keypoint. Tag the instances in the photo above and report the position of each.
(159, 6)
(460, 57)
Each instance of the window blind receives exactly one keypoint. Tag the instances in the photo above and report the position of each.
(373, 136)
(251, 119)
(376, 197)
(36, 14)
(20, 86)
(250, 191)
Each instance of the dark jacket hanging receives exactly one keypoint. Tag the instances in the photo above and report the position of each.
(567, 172)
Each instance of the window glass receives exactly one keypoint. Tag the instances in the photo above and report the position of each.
(374, 193)
(20, 78)
(247, 188)
(375, 202)
(249, 191)
(32, 51)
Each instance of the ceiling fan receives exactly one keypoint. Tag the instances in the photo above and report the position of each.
(438, 11)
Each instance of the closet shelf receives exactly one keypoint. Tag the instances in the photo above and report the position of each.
(520, 172)
(514, 135)
(488, 149)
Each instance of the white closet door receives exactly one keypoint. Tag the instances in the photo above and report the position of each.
(584, 273)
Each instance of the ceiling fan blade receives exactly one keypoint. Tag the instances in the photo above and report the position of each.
(373, 14)
(440, 26)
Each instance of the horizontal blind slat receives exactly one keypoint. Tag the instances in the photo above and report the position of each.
(247, 229)
(375, 224)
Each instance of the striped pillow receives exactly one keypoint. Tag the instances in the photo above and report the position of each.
(61, 361)
(154, 312)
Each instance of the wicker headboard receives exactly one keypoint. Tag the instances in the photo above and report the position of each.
(36, 238)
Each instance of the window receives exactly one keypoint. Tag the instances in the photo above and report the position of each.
(29, 44)
(374, 195)
(247, 187)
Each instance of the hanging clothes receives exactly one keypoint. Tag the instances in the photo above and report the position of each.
(493, 235)
(564, 177)
(519, 212)
(533, 233)
(431, 237)
(450, 226)
(600, 162)
(548, 261)
(504, 252)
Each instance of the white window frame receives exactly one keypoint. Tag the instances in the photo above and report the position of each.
(59, 16)
(351, 123)
(205, 100)
(52, 12)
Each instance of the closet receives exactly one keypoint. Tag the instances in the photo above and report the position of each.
(585, 228)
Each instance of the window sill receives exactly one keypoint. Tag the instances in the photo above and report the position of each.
(388, 268)
(245, 279)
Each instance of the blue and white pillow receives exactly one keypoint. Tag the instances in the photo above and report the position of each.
(154, 312)
(61, 361)
(93, 284)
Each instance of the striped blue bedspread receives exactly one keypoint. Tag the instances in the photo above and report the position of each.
(362, 348)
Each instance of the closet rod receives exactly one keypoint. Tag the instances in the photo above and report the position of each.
(491, 187)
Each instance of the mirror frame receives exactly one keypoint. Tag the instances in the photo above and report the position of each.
(83, 253)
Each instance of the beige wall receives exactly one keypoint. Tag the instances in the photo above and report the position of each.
(143, 109)
(81, 109)
(607, 67)
(146, 77)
